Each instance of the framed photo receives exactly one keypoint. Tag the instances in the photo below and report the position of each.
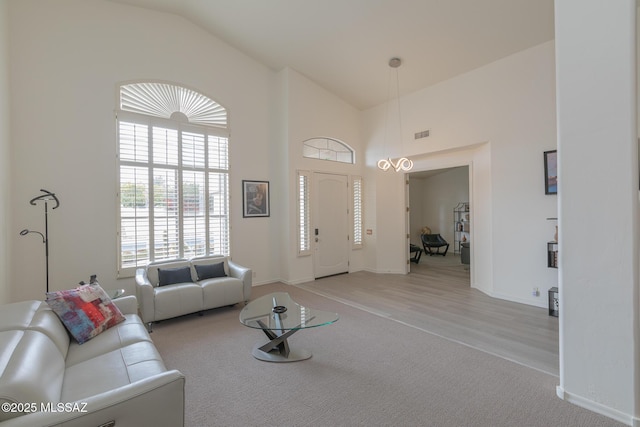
(255, 198)
(551, 172)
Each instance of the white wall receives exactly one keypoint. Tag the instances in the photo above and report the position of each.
(67, 58)
(5, 153)
(417, 219)
(510, 104)
(598, 195)
(70, 55)
(312, 111)
(433, 199)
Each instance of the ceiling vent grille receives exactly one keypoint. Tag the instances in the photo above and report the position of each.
(423, 134)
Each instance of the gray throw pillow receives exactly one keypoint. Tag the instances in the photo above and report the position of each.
(170, 276)
(209, 271)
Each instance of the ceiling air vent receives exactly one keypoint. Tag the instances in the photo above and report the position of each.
(423, 134)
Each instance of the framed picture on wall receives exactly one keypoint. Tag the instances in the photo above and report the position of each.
(255, 198)
(551, 172)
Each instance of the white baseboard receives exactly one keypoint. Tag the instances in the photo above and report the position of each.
(268, 282)
(560, 392)
(286, 282)
(383, 272)
(527, 301)
(298, 281)
(598, 408)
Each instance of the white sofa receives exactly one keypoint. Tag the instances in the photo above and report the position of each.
(115, 379)
(193, 294)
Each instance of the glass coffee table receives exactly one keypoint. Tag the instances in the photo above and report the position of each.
(279, 317)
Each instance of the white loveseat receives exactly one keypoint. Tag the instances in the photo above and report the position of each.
(115, 379)
(192, 293)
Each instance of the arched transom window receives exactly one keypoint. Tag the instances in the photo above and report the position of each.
(172, 102)
(328, 149)
(173, 175)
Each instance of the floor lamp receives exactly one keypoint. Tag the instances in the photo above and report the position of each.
(47, 197)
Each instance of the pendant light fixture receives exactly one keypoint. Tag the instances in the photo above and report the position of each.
(402, 163)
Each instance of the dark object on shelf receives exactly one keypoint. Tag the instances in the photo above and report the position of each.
(413, 249)
(465, 252)
(554, 304)
(552, 254)
(93, 280)
(434, 241)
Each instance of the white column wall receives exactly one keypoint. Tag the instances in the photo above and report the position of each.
(5, 153)
(598, 206)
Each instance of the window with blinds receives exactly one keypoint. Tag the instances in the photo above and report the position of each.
(357, 211)
(304, 235)
(328, 149)
(173, 175)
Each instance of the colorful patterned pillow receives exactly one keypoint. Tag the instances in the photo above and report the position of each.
(86, 311)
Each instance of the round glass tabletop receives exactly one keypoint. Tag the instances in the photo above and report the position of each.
(278, 311)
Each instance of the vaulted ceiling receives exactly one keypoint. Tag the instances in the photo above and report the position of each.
(345, 45)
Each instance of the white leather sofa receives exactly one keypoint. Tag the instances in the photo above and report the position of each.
(193, 293)
(115, 379)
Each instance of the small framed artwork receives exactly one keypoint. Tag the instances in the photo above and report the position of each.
(255, 198)
(551, 172)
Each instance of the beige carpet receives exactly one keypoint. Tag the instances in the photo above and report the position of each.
(365, 371)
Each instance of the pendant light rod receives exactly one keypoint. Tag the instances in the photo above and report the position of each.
(401, 164)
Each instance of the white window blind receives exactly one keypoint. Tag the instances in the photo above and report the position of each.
(173, 181)
(304, 235)
(357, 211)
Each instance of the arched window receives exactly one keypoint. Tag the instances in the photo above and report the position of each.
(328, 149)
(173, 174)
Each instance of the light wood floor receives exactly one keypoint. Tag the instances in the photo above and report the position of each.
(436, 297)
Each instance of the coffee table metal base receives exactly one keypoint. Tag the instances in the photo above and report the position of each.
(277, 349)
(279, 317)
(275, 356)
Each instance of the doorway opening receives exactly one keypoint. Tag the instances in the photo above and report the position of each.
(438, 202)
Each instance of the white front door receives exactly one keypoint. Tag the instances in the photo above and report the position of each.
(331, 224)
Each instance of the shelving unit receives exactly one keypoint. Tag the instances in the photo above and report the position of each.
(552, 254)
(554, 302)
(552, 262)
(461, 225)
(552, 249)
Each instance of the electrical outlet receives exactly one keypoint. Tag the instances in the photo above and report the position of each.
(535, 292)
